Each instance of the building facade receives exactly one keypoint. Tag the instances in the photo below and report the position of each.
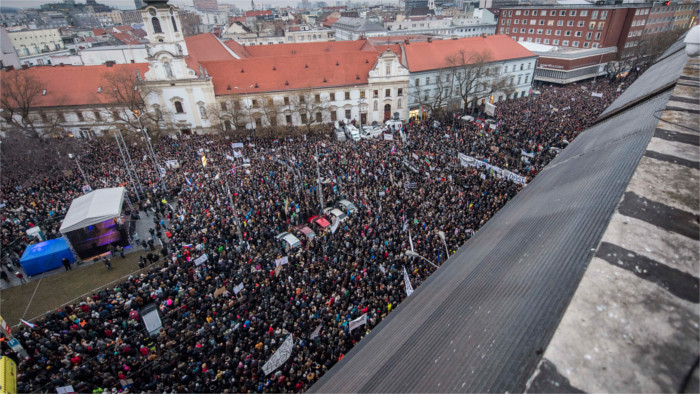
(35, 46)
(201, 84)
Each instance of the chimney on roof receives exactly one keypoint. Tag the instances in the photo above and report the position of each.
(228, 87)
(24, 66)
(9, 68)
(256, 85)
(274, 68)
(60, 64)
(286, 83)
(242, 70)
(483, 35)
(430, 40)
(109, 63)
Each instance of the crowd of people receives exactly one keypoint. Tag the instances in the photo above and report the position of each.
(223, 318)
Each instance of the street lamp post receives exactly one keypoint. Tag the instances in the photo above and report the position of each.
(246, 97)
(128, 155)
(127, 168)
(414, 254)
(72, 156)
(318, 179)
(153, 153)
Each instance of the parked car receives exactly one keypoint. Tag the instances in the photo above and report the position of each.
(347, 206)
(309, 233)
(352, 132)
(337, 213)
(394, 124)
(340, 135)
(289, 240)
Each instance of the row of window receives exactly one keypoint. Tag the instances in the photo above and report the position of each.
(548, 32)
(489, 71)
(594, 14)
(565, 43)
(534, 22)
(317, 98)
(317, 117)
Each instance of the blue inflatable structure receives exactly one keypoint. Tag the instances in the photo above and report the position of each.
(45, 256)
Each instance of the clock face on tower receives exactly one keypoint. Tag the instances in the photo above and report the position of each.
(152, 12)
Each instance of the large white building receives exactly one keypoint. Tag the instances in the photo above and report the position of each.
(35, 46)
(201, 84)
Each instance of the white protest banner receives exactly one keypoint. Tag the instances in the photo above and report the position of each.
(468, 161)
(388, 137)
(407, 282)
(87, 189)
(530, 155)
(335, 224)
(172, 164)
(237, 153)
(410, 239)
(237, 145)
(316, 332)
(381, 268)
(360, 321)
(229, 157)
(237, 289)
(282, 261)
(280, 357)
(201, 259)
(595, 94)
(415, 156)
(246, 160)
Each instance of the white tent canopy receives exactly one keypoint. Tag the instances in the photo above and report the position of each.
(93, 208)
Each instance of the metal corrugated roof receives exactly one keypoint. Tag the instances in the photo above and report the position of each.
(480, 322)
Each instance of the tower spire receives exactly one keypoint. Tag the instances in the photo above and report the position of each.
(252, 5)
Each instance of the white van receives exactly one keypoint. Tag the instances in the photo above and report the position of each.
(394, 125)
(352, 132)
(290, 241)
(337, 213)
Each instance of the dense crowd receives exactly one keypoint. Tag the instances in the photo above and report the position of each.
(214, 340)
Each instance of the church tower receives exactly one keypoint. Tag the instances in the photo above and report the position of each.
(166, 43)
(179, 94)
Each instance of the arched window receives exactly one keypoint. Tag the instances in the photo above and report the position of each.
(202, 112)
(156, 25)
(174, 24)
(168, 69)
(178, 107)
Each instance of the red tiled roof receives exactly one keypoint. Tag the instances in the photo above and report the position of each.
(99, 32)
(140, 33)
(89, 39)
(237, 19)
(257, 13)
(290, 72)
(123, 28)
(423, 56)
(126, 38)
(206, 47)
(75, 85)
(328, 22)
(309, 48)
(239, 49)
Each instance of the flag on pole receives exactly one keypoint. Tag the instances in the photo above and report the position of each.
(407, 282)
(393, 149)
(28, 324)
(410, 239)
(204, 161)
(189, 182)
(316, 332)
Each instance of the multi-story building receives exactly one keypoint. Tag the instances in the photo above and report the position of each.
(685, 15)
(206, 5)
(490, 69)
(441, 26)
(131, 17)
(201, 84)
(591, 26)
(8, 54)
(36, 46)
(356, 28)
(306, 34)
(138, 4)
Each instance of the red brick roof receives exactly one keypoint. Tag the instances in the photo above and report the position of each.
(99, 32)
(126, 38)
(328, 22)
(290, 72)
(206, 47)
(239, 49)
(74, 85)
(422, 56)
(257, 13)
(123, 28)
(309, 48)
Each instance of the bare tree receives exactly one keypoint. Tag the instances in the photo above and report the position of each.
(470, 68)
(308, 104)
(494, 86)
(436, 100)
(226, 116)
(20, 92)
(272, 112)
(126, 100)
